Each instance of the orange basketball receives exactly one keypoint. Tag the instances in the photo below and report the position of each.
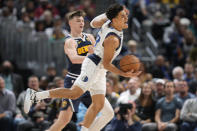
(129, 62)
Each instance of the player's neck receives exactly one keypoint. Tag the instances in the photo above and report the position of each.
(76, 34)
(116, 27)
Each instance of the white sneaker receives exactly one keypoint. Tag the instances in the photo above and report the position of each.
(30, 98)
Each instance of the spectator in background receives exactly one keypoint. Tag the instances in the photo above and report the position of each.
(145, 105)
(85, 4)
(167, 111)
(62, 6)
(11, 7)
(110, 95)
(51, 73)
(132, 93)
(25, 23)
(132, 45)
(29, 8)
(58, 26)
(37, 113)
(58, 81)
(189, 70)
(43, 83)
(144, 76)
(183, 94)
(160, 70)
(7, 107)
(167, 39)
(193, 26)
(13, 81)
(39, 26)
(159, 89)
(117, 86)
(193, 83)
(188, 115)
(57, 35)
(124, 119)
(45, 5)
(177, 73)
(33, 83)
(47, 19)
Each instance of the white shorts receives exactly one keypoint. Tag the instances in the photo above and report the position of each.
(92, 78)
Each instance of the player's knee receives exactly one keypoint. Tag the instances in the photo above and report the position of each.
(108, 111)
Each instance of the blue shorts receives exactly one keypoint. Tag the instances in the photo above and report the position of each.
(85, 98)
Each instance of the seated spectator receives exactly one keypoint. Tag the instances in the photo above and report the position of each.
(188, 115)
(7, 107)
(132, 93)
(110, 95)
(189, 72)
(160, 70)
(33, 83)
(59, 81)
(45, 5)
(159, 89)
(124, 119)
(13, 81)
(193, 83)
(51, 73)
(132, 45)
(183, 94)
(47, 19)
(145, 105)
(177, 73)
(167, 111)
(25, 23)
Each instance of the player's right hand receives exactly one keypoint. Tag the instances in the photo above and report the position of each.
(132, 73)
(90, 49)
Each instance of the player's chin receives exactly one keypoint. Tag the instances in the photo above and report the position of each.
(125, 26)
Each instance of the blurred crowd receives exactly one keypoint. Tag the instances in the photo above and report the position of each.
(162, 98)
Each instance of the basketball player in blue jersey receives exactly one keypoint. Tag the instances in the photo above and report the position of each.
(93, 72)
(77, 46)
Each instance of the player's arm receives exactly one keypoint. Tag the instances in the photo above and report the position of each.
(98, 21)
(110, 44)
(70, 47)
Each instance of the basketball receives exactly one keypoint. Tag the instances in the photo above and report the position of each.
(129, 62)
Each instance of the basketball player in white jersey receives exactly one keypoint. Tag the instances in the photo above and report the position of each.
(93, 72)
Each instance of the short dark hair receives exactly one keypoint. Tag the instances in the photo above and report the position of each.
(75, 13)
(168, 81)
(113, 11)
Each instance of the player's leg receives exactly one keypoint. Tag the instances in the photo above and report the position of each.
(72, 93)
(63, 119)
(33, 96)
(97, 104)
(107, 113)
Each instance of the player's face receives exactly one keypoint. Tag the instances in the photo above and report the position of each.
(77, 23)
(122, 19)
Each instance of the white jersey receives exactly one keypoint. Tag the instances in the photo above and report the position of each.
(93, 74)
(105, 31)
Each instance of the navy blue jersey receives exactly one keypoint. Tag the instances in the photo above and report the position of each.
(82, 50)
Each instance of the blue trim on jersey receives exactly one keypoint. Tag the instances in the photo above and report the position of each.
(95, 58)
(112, 33)
(67, 37)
